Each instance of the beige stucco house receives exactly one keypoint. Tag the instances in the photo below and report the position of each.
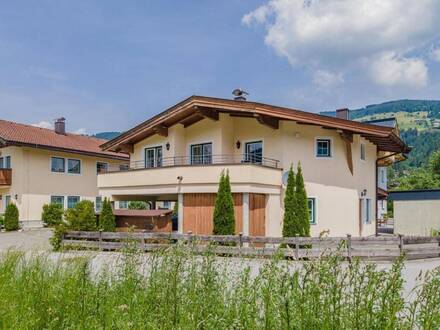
(39, 166)
(178, 155)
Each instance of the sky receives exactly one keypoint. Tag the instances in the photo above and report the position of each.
(106, 65)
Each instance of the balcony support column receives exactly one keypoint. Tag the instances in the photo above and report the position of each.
(246, 214)
(180, 213)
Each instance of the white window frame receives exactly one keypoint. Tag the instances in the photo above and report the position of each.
(315, 209)
(331, 147)
(367, 211)
(155, 155)
(63, 197)
(66, 165)
(96, 203)
(6, 202)
(80, 166)
(191, 144)
(245, 143)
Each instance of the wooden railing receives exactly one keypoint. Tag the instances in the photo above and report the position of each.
(382, 247)
(5, 176)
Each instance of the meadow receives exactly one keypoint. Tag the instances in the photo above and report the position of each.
(182, 290)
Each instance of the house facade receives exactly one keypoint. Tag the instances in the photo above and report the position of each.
(40, 166)
(179, 155)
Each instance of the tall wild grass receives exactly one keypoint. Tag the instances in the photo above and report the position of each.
(176, 289)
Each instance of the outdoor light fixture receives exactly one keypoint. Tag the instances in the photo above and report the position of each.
(167, 146)
(238, 144)
(364, 192)
(16, 197)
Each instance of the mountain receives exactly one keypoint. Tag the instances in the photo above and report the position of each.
(419, 123)
(107, 135)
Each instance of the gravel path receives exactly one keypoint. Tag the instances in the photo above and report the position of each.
(26, 240)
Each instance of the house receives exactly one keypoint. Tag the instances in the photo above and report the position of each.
(178, 155)
(416, 212)
(39, 166)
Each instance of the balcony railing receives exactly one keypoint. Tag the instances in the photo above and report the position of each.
(195, 161)
(5, 177)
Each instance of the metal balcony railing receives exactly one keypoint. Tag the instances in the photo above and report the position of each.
(195, 161)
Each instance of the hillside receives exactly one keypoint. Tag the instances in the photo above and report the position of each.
(107, 135)
(419, 123)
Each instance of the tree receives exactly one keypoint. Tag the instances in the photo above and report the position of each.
(302, 208)
(434, 163)
(106, 218)
(81, 217)
(52, 214)
(290, 227)
(224, 218)
(11, 217)
(137, 205)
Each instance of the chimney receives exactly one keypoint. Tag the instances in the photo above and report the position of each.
(60, 126)
(343, 113)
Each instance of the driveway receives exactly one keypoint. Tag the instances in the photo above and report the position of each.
(27, 240)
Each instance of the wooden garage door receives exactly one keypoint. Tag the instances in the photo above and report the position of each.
(198, 211)
(257, 214)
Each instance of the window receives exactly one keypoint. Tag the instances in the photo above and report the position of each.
(123, 204)
(98, 204)
(201, 153)
(382, 175)
(366, 212)
(362, 151)
(59, 200)
(101, 167)
(74, 166)
(254, 152)
(7, 200)
(72, 201)
(153, 157)
(5, 162)
(323, 148)
(58, 165)
(312, 210)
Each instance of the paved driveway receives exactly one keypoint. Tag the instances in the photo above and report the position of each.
(28, 240)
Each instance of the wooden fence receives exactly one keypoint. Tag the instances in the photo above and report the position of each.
(381, 247)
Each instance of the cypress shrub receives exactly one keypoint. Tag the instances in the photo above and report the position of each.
(52, 214)
(290, 226)
(11, 217)
(224, 218)
(106, 218)
(302, 208)
(82, 217)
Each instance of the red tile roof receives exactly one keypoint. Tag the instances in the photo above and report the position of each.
(12, 133)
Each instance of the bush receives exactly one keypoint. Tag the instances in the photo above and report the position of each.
(11, 217)
(57, 236)
(52, 214)
(302, 208)
(106, 218)
(290, 227)
(81, 217)
(2, 221)
(224, 218)
(137, 205)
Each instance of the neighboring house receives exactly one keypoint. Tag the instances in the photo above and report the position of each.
(416, 212)
(178, 155)
(39, 166)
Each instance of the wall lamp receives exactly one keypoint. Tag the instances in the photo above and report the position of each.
(238, 144)
(364, 193)
(167, 146)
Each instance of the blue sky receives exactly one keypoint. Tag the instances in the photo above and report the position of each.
(107, 65)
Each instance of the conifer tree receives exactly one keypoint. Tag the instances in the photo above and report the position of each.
(11, 217)
(224, 219)
(106, 218)
(290, 227)
(302, 208)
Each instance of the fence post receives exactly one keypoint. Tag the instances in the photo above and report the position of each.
(240, 239)
(349, 247)
(297, 246)
(143, 240)
(190, 236)
(401, 247)
(100, 240)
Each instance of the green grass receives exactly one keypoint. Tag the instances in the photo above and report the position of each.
(181, 290)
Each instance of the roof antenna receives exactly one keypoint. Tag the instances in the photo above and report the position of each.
(239, 94)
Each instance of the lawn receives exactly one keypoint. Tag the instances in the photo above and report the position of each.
(186, 291)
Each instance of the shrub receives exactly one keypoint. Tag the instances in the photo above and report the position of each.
(106, 218)
(81, 217)
(302, 208)
(137, 205)
(11, 217)
(224, 218)
(290, 226)
(2, 221)
(57, 236)
(52, 214)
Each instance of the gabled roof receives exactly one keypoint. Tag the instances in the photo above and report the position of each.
(196, 108)
(387, 122)
(16, 134)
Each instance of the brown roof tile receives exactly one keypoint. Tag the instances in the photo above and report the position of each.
(12, 133)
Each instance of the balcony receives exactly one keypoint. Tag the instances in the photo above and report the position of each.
(5, 177)
(209, 160)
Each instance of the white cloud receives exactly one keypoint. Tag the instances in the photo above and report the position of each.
(327, 79)
(391, 70)
(435, 54)
(43, 124)
(333, 34)
(80, 131)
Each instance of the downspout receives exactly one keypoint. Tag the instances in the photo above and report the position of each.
(377, 185)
